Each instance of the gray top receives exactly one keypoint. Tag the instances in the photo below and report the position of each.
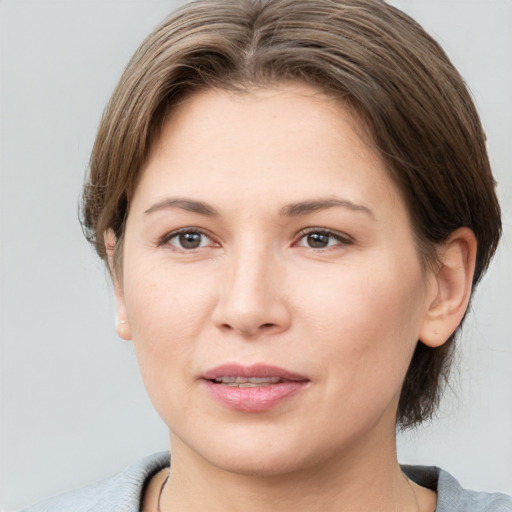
(123, 492)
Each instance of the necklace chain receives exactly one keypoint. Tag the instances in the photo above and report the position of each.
(413, 493)
(160, 493)
(406, 479)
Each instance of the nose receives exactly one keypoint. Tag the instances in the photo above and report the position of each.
(252, 299)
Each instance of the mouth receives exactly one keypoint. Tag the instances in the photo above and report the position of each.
(247, 382)
(256, 388)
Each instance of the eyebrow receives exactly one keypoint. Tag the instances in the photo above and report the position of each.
(290, 210)
(184, 204)
(305, 207)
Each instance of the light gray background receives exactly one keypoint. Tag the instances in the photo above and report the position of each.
(73, 408)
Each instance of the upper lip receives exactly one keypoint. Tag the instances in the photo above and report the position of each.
(255, 370)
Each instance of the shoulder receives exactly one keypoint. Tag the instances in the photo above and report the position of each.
(452, 497)
(120, 493)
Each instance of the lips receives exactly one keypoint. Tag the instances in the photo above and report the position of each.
(255, 388)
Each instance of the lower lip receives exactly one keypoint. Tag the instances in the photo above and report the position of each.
(254, 399)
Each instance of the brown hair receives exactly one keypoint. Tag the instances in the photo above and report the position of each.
(397, 78)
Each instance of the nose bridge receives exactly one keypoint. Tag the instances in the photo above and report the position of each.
(252, 264)
(251, 300)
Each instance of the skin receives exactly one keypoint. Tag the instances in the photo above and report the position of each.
(347, 316)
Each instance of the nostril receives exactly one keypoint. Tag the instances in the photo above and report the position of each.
(248, 331)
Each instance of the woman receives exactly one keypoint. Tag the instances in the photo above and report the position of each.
(295, 203)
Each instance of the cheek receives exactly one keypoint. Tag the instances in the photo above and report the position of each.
(364, 325)
(167, 311)
(365, 319)
(159, 296)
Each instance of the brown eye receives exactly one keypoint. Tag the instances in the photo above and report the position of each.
(322, 239)
(317, 240)
(189, 240)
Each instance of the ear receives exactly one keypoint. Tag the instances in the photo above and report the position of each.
(122, 324)
(452, 287)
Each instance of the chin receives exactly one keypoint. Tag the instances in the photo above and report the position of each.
(257, 464)
(256, 453)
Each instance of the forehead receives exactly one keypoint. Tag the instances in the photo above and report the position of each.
(278, 143)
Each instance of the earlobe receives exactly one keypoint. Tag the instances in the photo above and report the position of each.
(123, 329)
(122, 324)
(452, 287)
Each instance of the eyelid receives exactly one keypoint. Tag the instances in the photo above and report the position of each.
(189, 229)
(343, 238)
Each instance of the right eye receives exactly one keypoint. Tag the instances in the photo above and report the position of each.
(187, 240)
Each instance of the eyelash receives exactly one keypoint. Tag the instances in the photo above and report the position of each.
(342, 239)
(174, 234)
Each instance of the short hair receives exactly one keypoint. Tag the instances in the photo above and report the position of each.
(402, 86)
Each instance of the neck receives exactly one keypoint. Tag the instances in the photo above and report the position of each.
(367, 478)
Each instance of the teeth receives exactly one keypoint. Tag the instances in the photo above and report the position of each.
(262, 380)
(247, 382)
(225, 380)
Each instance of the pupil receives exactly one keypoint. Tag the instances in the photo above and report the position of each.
(190, 240)
(318, 240)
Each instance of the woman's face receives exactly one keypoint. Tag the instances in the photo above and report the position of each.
(266, 241)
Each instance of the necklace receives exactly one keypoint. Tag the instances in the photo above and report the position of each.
(406, 479)
(160, 493)
(413, 493)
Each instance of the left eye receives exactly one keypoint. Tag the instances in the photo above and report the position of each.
(321, 239)
(188, 240)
